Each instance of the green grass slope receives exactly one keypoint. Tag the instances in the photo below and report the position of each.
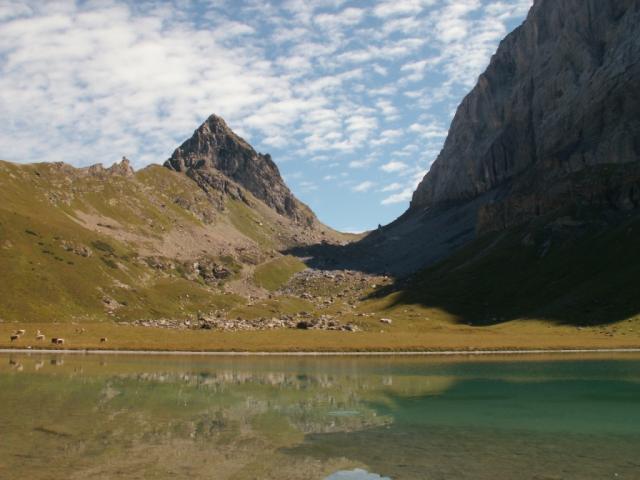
(76, 245)
(276, 273)
(562, 272)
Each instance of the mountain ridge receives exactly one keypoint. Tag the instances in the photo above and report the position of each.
(559, 97)
(529, 213)
(550, 131)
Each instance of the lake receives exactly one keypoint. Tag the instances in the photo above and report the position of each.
(105, 416)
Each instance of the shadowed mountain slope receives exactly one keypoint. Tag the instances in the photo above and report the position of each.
(531, 209)
(553, 125)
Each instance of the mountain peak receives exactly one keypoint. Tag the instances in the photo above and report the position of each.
(554, 107)
(215, 148)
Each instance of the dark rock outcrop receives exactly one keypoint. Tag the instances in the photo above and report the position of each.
(553, 122)
(216, 158)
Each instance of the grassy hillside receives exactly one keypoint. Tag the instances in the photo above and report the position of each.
(560, 272)
(80, 245)
(276, 273)
(103, 248)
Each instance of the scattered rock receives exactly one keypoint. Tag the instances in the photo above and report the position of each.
(218, 321)
(76, 248)
(111, 304)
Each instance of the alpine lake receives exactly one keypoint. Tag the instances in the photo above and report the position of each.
(129, 416)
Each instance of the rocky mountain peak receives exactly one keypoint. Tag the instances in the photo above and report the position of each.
(215, 149)
(558, 103)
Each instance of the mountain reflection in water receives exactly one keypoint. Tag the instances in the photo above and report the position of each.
(89, 416)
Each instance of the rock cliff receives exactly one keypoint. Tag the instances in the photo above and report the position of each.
(215, 154)
(553, 121)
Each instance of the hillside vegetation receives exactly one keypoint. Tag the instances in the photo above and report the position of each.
(99, 243)
(561, 271)
(108, 248)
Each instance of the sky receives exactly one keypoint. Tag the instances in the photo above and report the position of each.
(352, 99)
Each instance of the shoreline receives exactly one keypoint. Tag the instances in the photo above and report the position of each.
(425, 353)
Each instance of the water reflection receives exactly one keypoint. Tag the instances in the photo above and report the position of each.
(302, 418)
(356, 474)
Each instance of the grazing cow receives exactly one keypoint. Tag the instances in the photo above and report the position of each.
(20, 332)
(103, 340)
(59, 341)
(14, 337)
(39, 335)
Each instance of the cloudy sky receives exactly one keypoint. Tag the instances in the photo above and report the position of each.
(352, 98)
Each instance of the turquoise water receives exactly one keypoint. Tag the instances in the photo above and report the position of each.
(338, 418)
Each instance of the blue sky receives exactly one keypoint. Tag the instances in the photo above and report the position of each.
(351, 98)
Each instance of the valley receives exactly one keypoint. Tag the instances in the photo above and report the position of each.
(522, 235)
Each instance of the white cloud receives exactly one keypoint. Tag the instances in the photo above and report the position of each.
(384, 91)
(100, 82)
(406, 190)
(392, 187)
(362, 162)
(403, 196)
(380, 70)
(405, 24)
(311, 81)
(388, 51)
(388, 109)
(276, 141)
(394, 166)
(428, 131)
(390, 8)
(416, 70)
(508, 10)
(387, 137)
(12, 9)
(467, 42)
(364, 186)
(347, 17)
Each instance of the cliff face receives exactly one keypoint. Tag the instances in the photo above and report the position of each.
(554, 120)
(215, 154)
